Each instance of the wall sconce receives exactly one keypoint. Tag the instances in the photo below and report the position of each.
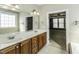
(76, 22)
(35, 12)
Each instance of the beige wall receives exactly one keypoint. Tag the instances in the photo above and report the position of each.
(25, 11)
(73, 15)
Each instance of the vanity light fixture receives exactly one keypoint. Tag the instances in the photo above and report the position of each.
(76, 22)
(35, 12)
(16, 6)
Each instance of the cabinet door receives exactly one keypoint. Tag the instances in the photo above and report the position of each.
(42, 40)
(26, 47)
(9, 50)
(14, 49)
(35, 45)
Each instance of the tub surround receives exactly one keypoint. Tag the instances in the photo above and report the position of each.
(74, 48)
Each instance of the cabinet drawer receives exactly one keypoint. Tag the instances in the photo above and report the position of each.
(35, 44)
(34, 50)
(35, 40)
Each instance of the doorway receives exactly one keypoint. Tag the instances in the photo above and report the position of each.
(29, 23)
(57, 28)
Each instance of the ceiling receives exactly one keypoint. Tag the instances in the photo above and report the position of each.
(39, 5)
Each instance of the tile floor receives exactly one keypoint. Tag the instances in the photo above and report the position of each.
(52, 48)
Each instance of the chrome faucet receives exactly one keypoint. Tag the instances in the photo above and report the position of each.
(11, 37)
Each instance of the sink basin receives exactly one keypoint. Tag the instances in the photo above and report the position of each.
(5, 41)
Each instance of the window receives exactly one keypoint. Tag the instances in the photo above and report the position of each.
(55, 23)
(7, 20)
(61, 22)
(58, 23)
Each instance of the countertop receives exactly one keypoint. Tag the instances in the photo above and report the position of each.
(19, 36)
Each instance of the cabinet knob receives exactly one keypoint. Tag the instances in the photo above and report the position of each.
(17, 46)
(21, 44)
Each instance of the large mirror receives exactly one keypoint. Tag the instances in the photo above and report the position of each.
(12, 21)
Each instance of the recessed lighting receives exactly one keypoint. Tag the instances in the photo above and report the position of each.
(8, 4)
(5, 7)
(17, 6)
(13, 9)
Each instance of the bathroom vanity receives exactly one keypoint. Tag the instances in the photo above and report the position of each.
(29, 44)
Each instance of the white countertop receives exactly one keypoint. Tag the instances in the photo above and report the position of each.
(19, 36)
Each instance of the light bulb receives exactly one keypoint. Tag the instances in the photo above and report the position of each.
(35, 13)
(17, 6)
(5, 7)
(38, 13)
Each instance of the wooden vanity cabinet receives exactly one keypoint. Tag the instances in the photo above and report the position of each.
(26, 47)
(34, 45)
(42, 40)
(20, 48)
(14, 49)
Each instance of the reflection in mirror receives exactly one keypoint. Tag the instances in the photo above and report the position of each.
(15, 21)
(29, 23)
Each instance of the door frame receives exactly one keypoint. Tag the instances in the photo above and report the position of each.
(67, 26)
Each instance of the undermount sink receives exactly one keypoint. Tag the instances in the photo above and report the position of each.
(5, 41)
